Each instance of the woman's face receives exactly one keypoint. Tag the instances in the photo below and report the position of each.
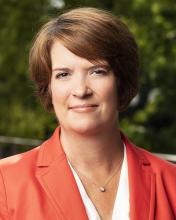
(84, 95)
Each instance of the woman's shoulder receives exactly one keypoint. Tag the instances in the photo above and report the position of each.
(157, 164)
(145, 157)
(19, 161)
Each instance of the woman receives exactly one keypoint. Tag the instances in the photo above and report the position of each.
(85, 66)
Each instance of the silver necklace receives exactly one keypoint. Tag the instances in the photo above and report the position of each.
(103, 187)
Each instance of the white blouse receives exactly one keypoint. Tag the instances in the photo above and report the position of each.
(121, 208)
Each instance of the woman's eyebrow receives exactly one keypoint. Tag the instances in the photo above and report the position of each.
(105, 66)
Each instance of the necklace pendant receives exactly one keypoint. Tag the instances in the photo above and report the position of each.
(102, 189)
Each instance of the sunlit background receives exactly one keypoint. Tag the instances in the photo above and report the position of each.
(151, 119)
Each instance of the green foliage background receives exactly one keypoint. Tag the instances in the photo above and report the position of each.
(151, 119)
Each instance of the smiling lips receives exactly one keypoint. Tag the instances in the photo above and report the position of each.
(83, 108)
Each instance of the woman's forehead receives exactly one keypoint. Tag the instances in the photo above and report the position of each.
(61, 56)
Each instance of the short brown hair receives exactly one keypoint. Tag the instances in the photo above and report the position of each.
(93, 34)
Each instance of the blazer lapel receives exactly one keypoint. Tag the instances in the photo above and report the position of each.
(141, 184)
(57, 180)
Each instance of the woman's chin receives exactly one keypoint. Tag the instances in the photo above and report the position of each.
(85, 129)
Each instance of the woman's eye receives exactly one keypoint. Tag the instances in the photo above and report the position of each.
(62, 75)
(100, 72)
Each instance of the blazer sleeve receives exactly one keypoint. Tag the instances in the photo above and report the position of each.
(3, 200)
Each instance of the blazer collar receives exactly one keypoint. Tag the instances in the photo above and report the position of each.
(141, 183)
(57, 180)
(50, 150)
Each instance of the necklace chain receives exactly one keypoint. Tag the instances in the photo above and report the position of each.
(101, 188)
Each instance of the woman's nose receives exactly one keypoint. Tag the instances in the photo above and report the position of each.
(82, 89)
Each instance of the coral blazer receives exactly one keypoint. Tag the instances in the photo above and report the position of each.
(39, 185)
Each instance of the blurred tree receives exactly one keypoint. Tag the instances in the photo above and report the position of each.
(150, 121)
(20, 113)
(154, 121)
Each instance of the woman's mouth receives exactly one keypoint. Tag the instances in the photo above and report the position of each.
(83, 108)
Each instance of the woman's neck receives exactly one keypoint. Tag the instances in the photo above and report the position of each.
(102, 150)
